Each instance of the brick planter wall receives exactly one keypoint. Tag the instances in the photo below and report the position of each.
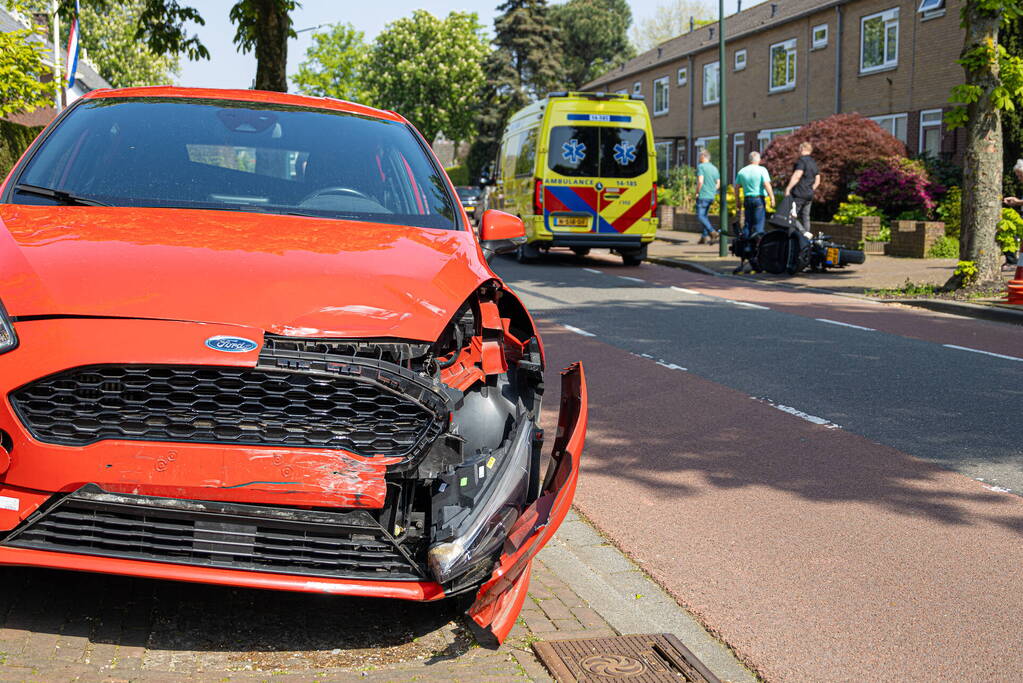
(850, 236)
(666, 214)
(913, 239)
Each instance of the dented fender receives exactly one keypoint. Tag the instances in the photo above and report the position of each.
(500, 599)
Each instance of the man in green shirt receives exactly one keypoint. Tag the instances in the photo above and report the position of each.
(708, 182)
(754, 182)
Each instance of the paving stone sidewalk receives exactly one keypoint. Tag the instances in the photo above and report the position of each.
(65, 626)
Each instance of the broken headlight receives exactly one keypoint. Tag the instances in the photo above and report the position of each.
(8, 339)
(485, 525)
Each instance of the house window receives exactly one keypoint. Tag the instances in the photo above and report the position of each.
(820, 36)
(929, 6)
(683, 76)
(930, 132)
(681, 161)
(879, 41)
(893, 123)
(783, 66)
(663, 158)
(711, 86)
(713, 147)
(738, 150)
(740, 60)
(637, 88)
(661, 96)
(766, 136)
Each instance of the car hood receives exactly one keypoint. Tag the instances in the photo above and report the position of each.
(284, 274)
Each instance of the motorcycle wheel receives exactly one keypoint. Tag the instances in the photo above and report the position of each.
(850, 257)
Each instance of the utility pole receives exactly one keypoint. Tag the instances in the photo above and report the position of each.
(57, 100)
(723, 133)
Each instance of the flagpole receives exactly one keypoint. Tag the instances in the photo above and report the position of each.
(57, 80)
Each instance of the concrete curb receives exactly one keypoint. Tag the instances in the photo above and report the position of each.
(629, 600)
(991, 312)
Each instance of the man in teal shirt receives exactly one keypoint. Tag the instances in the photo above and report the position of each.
(754, 182)
(708, 182)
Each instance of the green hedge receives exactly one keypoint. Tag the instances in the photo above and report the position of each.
(14, 138)
(459, 175)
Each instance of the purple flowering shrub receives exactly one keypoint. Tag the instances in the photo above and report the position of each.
(898, 185)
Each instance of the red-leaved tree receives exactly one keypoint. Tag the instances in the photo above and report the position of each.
(842, 145)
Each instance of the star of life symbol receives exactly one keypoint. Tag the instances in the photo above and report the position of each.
(573, 151)
(625, 152)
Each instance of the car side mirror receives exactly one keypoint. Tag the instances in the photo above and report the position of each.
(500, 233)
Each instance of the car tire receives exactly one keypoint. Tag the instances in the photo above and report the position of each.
(527, 254)
(633, 257)
(581, 251)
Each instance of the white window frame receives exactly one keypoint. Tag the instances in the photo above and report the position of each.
(931, 8)
(637, 88)
(816, 44)
(682, 76)
(663, 152)
(893, 119)
(661, 88)
(738, 139)
(767, 135)
(717, 94)
(737, 64)
(888, 18)
(789, 46)
(928, 124)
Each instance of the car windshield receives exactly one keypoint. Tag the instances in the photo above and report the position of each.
(467, 193)
(597, 152)
(243, 156)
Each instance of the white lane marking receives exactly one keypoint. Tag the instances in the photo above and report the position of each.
(836, 322)
(578, 331)
(685, 291)
(593, 270)
(660, 361)
(634, 279)
(799, 413)
(986, 353)
(670, 366)
(748, 304)
(996, 489)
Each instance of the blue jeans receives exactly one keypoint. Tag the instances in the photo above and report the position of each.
(701, 215)
(755, 216)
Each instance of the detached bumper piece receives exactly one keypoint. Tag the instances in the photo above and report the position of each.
(91, 521)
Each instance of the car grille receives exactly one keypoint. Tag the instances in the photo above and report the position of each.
(362, 410)
(226, 535)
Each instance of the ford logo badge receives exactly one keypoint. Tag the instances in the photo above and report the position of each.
(231, 344)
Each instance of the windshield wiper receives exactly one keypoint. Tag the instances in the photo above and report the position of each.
(61, 196)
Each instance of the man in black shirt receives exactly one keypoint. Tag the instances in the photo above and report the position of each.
(803, 183)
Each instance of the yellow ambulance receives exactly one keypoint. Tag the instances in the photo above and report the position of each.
(580, 170)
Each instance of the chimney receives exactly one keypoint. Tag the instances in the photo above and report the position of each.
(658, 53)
(739, 6)
(712, 33)
(774, 8)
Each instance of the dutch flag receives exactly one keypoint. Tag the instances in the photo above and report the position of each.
(72, 49)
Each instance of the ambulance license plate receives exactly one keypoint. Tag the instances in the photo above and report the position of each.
(832, 257)
(571, 221)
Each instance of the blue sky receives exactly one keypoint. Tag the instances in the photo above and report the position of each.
(229, 69)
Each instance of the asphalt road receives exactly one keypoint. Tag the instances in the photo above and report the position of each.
(800, 469)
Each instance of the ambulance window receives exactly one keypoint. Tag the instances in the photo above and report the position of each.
(623, 152)
(574, 151)
(527, 155)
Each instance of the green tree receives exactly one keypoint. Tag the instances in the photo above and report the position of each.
(1011, 37)
(334, 64)
(523, 67)
(430, 70)
(668, 20)
(109, 40)
(994, 80)
(22, 68)
(264, 26)
(594, 37)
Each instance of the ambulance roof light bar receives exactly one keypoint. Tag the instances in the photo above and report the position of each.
(594, 95)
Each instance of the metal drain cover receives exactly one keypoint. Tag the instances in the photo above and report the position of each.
(636, 659)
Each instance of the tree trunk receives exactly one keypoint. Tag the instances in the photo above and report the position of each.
(272, 46)
(982, 167)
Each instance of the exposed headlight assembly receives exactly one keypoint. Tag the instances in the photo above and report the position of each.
(8, 339)
(484, 529)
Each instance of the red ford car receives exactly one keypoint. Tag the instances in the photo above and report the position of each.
(250, 339)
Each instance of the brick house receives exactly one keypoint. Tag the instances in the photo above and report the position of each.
(793, 61)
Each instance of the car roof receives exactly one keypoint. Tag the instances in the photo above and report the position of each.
(258, 96)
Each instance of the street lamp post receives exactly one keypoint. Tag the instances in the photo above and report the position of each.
(722, 133)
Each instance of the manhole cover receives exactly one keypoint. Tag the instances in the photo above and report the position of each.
(635, 659)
